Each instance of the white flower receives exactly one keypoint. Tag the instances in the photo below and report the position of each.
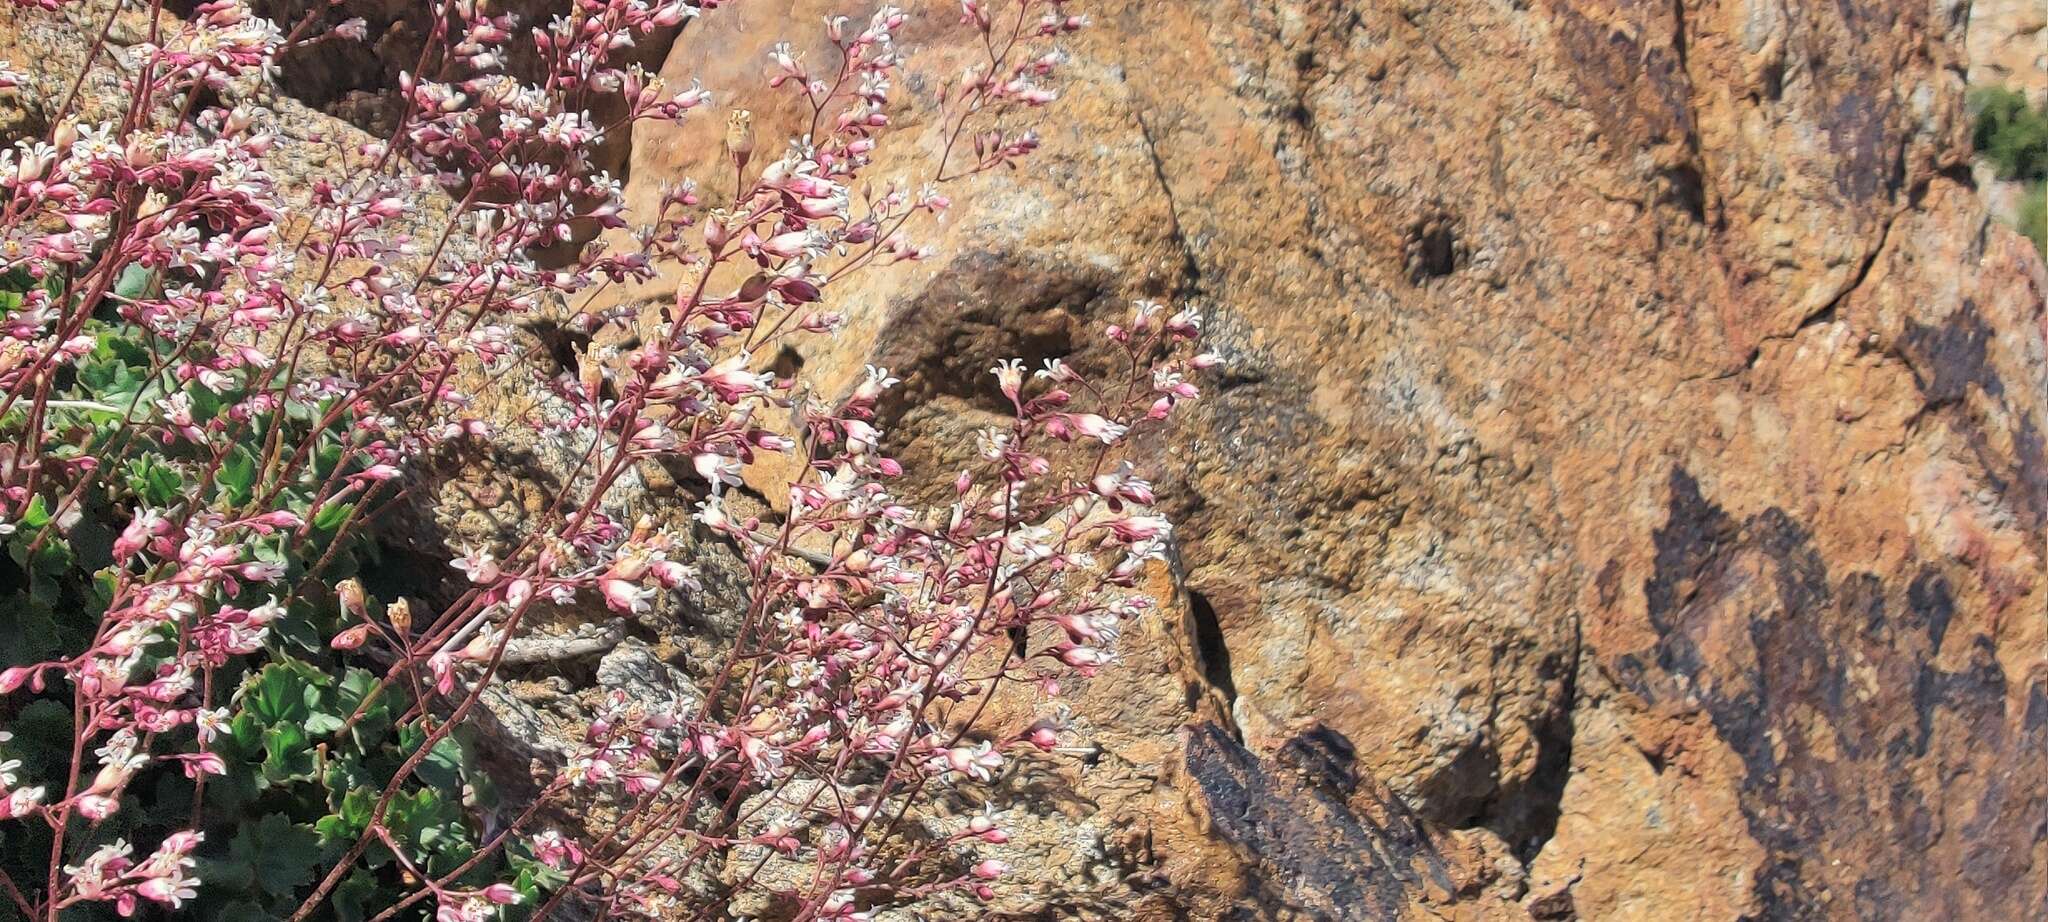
(803, 672)
(1010, 375)
(480, 566)
(1056, 371)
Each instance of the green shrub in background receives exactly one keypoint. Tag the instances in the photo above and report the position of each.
(2013, 136)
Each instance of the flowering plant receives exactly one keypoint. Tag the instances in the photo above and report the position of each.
(213, 384)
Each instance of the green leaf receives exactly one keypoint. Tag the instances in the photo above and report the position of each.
(155, 481)
(244, 911)
(51, 562)
(120, 344)
(243, 739)
(351, 898)
(347, 824)
(37, 514)
(284, 692)
(288, 754)
(298, 631)
(103, 585)
(322, 723)
(169, 805)
(133, 282)
(281, 854)
(375, 721)
(226, 873)
(332, 515)
(443, 765)
(229, 794)
(238, 476)
(426, 820)
(205, 404)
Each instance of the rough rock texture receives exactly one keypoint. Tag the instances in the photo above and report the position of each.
(1633, 442)
(2008, 46)
(1626, 500)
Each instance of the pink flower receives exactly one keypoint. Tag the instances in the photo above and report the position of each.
(376, 473)
(792, 244)
(1086, 659)
(478, 565)
(146, 526)
(730, 380)
(556, 851)
(1135, 528)
(202, 763)
(172, 890)
(501, 894)
(1097, 427)
(442, 665)
(626, 597)
(1009, 376)
(97, 807)
(350, 638)
(471, 909)
(21, 802)
(13, 677)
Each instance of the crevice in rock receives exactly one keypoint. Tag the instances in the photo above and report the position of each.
(1690, 181)
(1827, 311)
(1773, 80)
(1210, 648)
(1190, 282)
(1544, 792)
(1680, 43)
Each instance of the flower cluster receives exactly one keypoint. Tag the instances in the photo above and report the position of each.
(111, 874)
(230, 376)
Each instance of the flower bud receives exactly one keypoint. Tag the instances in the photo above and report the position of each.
(399, 613)
(739, 136)
(350, 639)
(501, 894)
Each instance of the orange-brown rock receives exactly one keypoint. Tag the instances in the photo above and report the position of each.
(1626, 498)
(1632, 444)
(2008, 46)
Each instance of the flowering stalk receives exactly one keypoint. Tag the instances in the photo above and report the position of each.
(257, 371)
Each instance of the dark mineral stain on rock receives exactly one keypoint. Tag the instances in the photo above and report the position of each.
(1294, 819)
(1863, 757)
(1949, 357)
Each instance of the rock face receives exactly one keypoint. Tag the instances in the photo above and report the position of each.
(2008, 46)
(1635, 441)
(1626, 498)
